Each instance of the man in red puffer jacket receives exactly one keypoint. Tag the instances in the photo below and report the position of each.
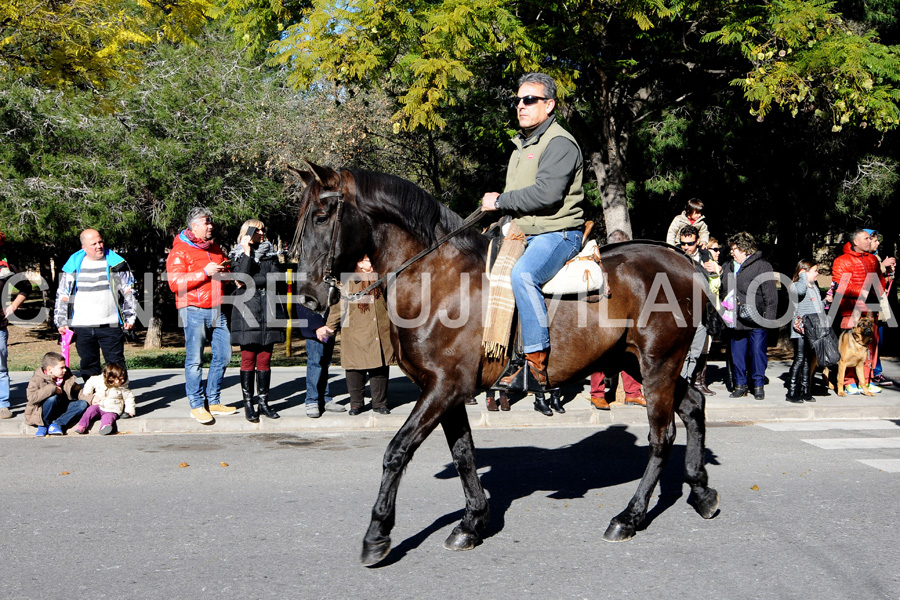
(857, 284)
(192, 268)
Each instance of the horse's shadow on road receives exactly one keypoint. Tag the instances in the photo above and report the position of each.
(605, 459)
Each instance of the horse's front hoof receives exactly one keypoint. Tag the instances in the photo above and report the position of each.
(460, 540)
(374, 552)
(618, 532)
(707, 503)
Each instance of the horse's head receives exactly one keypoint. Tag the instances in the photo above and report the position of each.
(331, 235)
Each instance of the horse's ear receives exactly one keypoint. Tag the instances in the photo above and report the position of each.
(322, 174)
(305, 176)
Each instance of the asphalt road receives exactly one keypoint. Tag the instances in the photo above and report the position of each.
(118, 517)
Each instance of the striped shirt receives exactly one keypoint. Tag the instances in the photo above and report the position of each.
(94, 302)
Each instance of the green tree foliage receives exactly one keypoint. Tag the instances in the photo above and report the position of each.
(89, 43)
(620, 63)
(806, 57)
(199, 128)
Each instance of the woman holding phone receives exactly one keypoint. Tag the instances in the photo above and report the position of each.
(257, 320)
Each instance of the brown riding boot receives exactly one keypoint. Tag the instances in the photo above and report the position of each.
(537, 361)
(700, 383)
(600, 403)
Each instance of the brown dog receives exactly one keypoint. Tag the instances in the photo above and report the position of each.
(854, 346)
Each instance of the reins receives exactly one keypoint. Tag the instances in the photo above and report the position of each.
(329, 277)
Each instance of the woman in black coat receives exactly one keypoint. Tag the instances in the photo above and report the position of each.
(744, 271)
(257, 319)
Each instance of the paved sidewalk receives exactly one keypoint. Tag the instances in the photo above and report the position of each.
(163, 408)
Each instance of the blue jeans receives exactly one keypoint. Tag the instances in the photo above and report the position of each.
(202, 325)
(545, 255)
(318, 357)
(62, 411)
(749, 346)
(4, 370)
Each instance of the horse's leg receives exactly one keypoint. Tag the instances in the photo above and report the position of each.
(691, 410)
(660, 412)
(418, 426)
(467, 534)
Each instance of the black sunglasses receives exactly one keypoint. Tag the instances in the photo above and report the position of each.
(694, 243)
(527, 100)
(716, 249)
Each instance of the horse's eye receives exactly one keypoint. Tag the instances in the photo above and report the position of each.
(320, 218)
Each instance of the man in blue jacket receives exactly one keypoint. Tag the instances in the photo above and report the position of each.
(95, 299)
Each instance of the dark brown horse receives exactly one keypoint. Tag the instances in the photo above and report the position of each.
(644, 326)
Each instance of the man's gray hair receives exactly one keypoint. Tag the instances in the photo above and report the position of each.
(617, 236)
(541, 79)
(855, 234)
(198, 212)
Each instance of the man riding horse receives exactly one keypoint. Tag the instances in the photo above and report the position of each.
(545, 195)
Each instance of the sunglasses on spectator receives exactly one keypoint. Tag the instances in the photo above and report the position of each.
(527, 100)
(694, 243)
(714, 248)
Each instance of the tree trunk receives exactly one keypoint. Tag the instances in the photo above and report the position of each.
(45, 267)
(153, 339)
(611, 180)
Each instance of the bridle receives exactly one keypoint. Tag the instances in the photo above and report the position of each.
(328, 276)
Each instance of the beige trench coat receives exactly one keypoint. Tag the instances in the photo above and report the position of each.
(365, 336)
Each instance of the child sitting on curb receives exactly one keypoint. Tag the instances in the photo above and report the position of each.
(53, 397)
(110, 398)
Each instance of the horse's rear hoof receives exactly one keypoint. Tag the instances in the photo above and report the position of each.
(707, 504)
(618, 532)
(460, 540)
(374, 553)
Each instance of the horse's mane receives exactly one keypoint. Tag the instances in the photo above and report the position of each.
(406, 205)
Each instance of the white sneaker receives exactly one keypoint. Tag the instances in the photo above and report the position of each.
(332, 406)
(312, 411)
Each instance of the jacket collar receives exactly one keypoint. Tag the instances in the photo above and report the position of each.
(848, 249)
(536, 134)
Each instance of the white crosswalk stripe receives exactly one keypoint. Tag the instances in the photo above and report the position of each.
(879, 442)
(889, 465)
(830, 425)
(855, 443)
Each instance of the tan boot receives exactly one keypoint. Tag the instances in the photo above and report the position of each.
(600, 403)
(636, 400)
(537, 361)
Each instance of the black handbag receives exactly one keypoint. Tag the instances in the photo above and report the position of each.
(823, 340)
(747, 314)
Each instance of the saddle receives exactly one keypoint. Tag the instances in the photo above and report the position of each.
(579, 277)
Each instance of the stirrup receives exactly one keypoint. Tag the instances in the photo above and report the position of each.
(523, 382)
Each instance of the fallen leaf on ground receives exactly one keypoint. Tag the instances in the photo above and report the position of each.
(64, 473)
(221, 464)
(183, 465)
(755, 488)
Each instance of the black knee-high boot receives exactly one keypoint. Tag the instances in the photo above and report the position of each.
(247, 393)
(794, 374)
(805, 375)
(263, 378)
